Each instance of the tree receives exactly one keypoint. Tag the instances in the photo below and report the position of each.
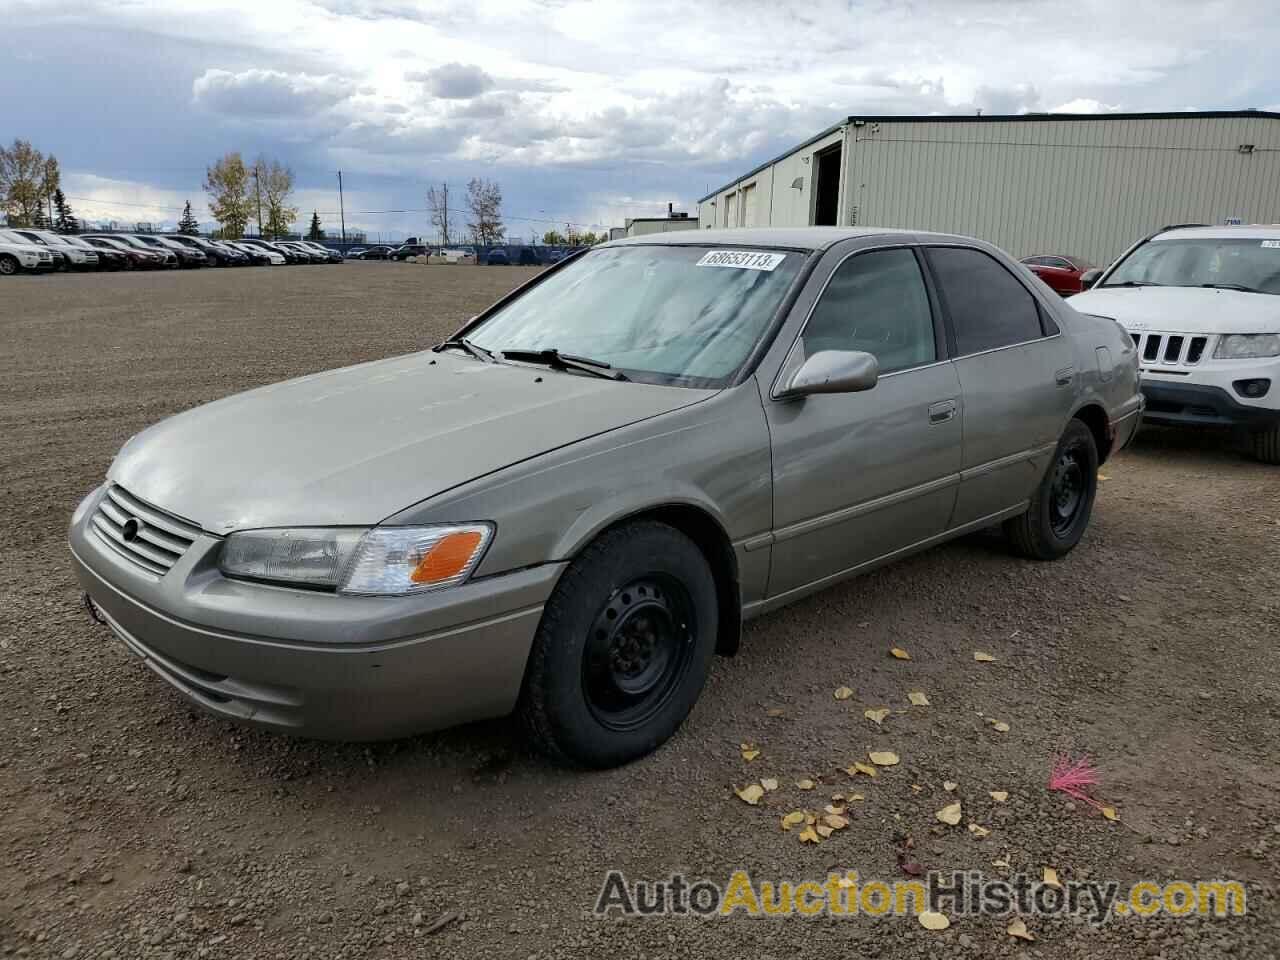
(64, 220)
(274, 182)
(553, 238)
(484, 202)
(188, 224)
(23, 173)
(227, 183)
(438, 204)
(316, 232)
(50, 183)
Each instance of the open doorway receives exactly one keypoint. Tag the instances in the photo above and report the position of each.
(826, 191)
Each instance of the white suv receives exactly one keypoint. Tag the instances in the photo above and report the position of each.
(1202, 305)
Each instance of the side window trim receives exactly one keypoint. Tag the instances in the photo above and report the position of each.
(1041, 309)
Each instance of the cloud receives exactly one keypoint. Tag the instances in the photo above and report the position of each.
(454, 81)
(268, 93)
(1086, 105)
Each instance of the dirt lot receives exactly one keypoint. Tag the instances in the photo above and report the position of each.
(133, 827)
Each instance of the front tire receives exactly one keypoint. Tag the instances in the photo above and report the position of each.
(623, 649)
(1266, 445)
(9, 265)
(1063, 502)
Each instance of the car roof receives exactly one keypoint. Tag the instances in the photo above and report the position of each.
(1252, 231)
(794, 238)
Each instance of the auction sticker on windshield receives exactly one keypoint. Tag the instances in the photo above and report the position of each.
(742, 259)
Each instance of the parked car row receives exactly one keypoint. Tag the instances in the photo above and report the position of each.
(23, 249)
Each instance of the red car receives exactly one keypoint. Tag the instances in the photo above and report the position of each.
(1063, 274)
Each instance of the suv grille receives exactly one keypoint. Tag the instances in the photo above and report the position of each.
(1169, 350)
(149, 537)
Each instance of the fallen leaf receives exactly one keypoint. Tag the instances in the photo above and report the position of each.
(950, 813)
(877, 716)
(793, 819)
(977, 830)
(1051, 878)
(1103, 476)
(774, 712)
(883, 758)
(769, 783)
(835, 821)
(831, 808)
(805, 784)
(1000, 863)
(949, 785)
(1110, 813)
(983, 657)
(809, 818)
(1018, 928)
(900, 653)
(918, 699)
(837, 797)
(843, 693)
(859, 767)
(910, 867)
(808, 835)
(751, 793)
(916, 788)
(749, 752)
(1000, 727)
(999, 796)
(933, 921)
(824, 831)
(854, 797)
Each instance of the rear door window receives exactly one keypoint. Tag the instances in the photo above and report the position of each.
(988, 307)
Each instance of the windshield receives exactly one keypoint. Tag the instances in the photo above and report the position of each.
(669, 314)
(1253, 264)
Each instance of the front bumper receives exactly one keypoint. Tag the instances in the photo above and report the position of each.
(1203, 405)
(317, 664)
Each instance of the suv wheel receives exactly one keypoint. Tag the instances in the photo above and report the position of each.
(8, 264)
(1266, 445)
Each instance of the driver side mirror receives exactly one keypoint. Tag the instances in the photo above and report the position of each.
(1089, 278)
(834, 371)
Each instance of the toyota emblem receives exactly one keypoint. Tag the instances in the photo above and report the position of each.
(132, 527)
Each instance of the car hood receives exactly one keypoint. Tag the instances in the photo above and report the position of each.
(354, 446)
(24, 247)
(1183, 309)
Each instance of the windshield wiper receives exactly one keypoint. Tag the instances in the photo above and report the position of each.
(1244, 288)
(556, 360)
(462, 343)
(1134, 283)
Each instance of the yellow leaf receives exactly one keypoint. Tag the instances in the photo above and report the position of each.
(949, 785)
(774, 712)
(855, 797)
(983, 657)
(999, 796)
(883, 758)
(793, 819)
(876, 716)
(916, 788)
(977, 830)
(950, 813)
(808, 835)
(900, 653)
(843, 693)
(1103, 476)
(832, 808)
(835, 821)
(749, 752)
(1018, 928)
(1000, 863)
(933, 921)
(751, 793)
(805, 784)
(1051, 878)
(769, 783)
(918, 699)
(859, 767)
(1000, 727)
(824, 831)
(1110, 813)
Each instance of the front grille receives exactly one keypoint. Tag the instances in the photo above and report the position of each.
(149, 537)
(1169, 349)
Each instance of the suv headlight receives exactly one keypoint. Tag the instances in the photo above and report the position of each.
(1241, 346)
(384, 561)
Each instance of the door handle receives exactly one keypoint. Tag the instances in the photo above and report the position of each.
(1065, 376)
(942, 411)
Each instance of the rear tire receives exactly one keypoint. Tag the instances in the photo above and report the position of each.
(1063, 502)
(623, 649)
(1266, 445)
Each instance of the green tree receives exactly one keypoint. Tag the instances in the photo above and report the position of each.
(484, 203)
(274, 183)
(227, 184)
(553, 238)
(188, 224)
(23, 171)
(316, 232)
(64, 220)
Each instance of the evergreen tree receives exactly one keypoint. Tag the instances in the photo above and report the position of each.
(316, 232)
(64, 220)
(38, 219)
(188, 223)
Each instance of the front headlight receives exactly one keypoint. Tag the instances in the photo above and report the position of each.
(1241, 346)
(387, 561)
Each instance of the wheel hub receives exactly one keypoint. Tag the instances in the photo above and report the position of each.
(1067, 491)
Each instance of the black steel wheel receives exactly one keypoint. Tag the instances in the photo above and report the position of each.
(1059, 511)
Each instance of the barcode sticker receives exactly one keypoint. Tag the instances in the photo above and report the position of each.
(742, 259)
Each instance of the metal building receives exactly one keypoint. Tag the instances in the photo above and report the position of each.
(1076, 184)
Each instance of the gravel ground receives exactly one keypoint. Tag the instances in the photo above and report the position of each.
(133, 827)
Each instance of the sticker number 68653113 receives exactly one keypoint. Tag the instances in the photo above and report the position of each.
(742, 259)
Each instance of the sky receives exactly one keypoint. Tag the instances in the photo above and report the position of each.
(584, 111)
